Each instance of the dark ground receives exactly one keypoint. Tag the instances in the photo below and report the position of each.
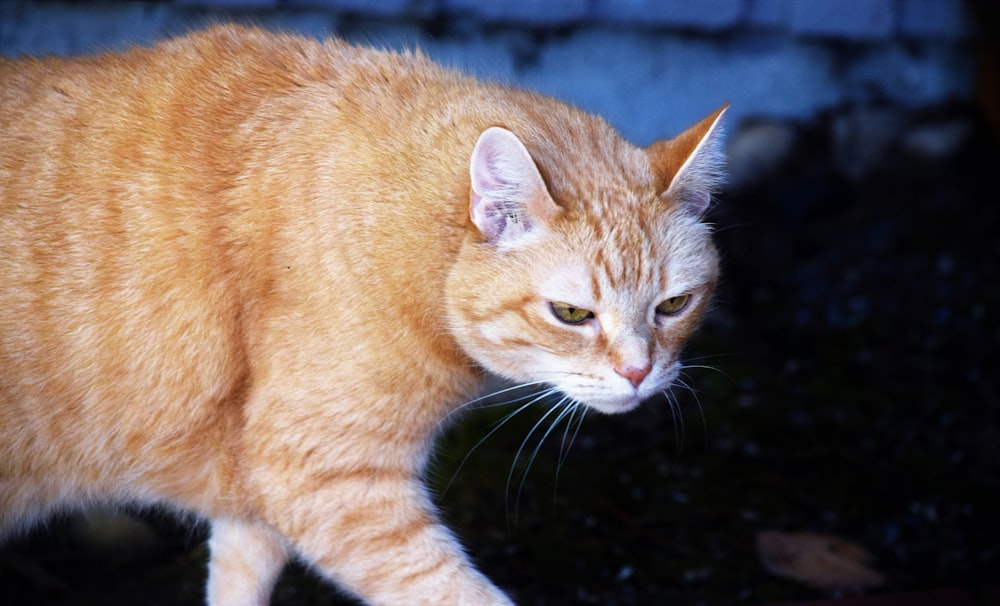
(856, 338)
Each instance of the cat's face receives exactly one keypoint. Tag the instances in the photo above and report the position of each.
(593, 297)
(602, 320)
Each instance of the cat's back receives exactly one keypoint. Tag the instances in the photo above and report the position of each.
(207, 80)
(157, 150)
(174, 126)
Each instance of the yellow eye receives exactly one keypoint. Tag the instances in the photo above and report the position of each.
(673, 305)
(569, 314)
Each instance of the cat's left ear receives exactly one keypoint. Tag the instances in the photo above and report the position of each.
(509, 198)
(690, 166)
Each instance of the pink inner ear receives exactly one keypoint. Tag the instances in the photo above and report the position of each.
(487, 217)
(508, 193)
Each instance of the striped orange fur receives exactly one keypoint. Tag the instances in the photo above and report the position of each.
(246, 275)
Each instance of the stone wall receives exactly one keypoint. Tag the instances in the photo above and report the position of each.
(651, 67)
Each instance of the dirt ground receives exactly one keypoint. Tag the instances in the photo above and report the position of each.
(854, 391)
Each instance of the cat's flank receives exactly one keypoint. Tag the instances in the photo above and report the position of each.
(247, 275)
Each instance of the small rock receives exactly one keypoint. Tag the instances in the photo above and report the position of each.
(757, 149)
(863, 136)
(826, 562)
(937, 140)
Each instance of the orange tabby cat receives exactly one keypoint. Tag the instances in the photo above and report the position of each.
(246, 275)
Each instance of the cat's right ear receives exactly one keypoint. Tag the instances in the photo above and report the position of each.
(690, 166)
(509, 198)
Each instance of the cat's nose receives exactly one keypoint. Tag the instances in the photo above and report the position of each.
(633, 374)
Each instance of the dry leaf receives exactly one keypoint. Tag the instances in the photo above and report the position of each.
(822, 561)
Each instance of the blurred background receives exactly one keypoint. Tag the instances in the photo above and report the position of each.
(843, 394)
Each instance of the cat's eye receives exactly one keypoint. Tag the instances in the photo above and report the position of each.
(673, 305)
(570, 314)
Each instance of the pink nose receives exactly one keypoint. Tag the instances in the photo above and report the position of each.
(633, 374)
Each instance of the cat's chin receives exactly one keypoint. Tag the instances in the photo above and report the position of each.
(614, 406)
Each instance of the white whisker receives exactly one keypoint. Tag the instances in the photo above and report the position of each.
(534, 453)
(536, 398)
(574, 407)
(492, 394)
(678, 417)
(564, 448)
(517, 456)
(694, 394)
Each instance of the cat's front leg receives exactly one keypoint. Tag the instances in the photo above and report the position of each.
(394, 552)
(245, 561)
(378, 538)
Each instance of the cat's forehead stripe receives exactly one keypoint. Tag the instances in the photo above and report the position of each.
(626, 257)
(595, 282)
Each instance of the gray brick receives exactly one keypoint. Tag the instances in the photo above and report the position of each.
(853, 19)
(767, 13)
(72, 29)
(707, 14)
(934, 18)
(379, 8)
(230, 4)
(526, 12)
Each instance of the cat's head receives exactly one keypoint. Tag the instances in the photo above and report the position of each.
(587, 268)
